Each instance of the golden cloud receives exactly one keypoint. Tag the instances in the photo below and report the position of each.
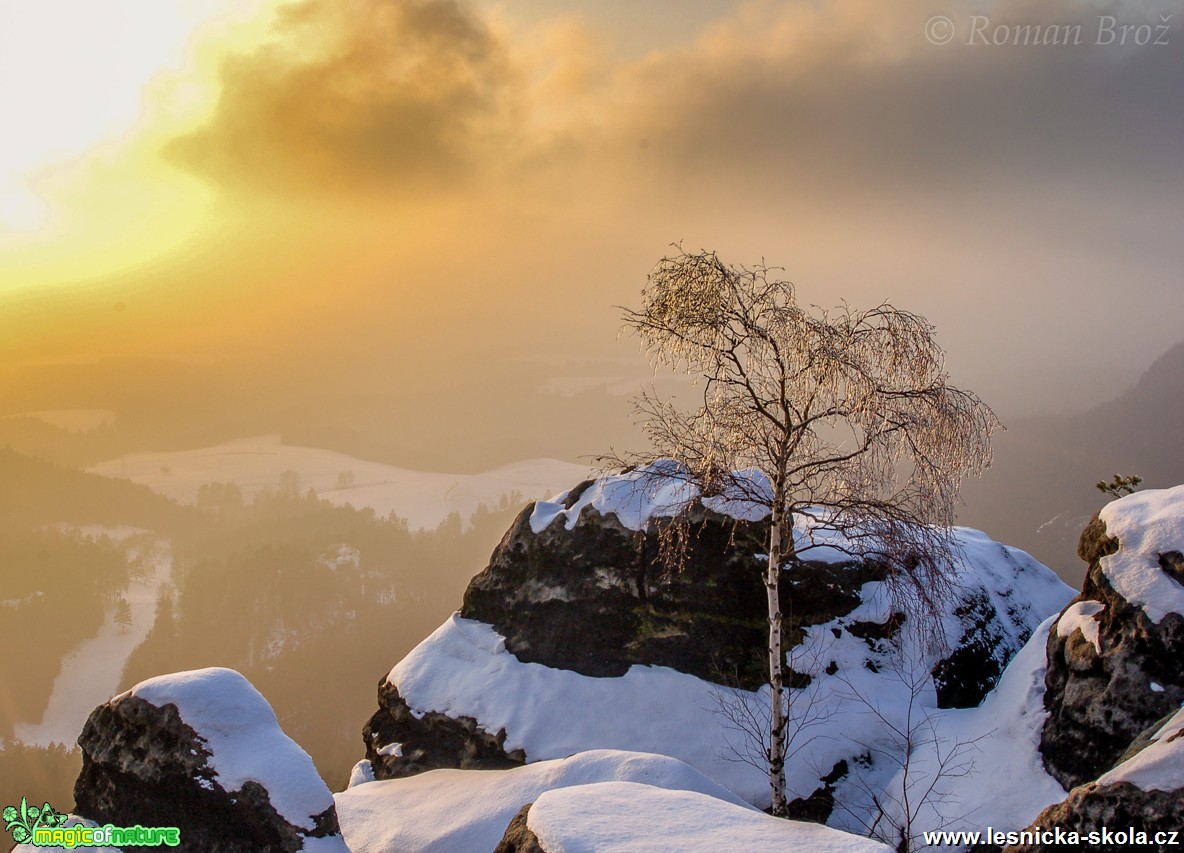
(355, 93)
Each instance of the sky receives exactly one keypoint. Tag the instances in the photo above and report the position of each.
(434, 207)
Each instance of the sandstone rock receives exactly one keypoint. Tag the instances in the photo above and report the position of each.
(1118, 808)
(598, 598)
(518, 837)
(402, 743)
(1098, 703)
(203, 751)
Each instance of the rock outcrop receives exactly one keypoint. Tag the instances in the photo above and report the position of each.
(598, 597)
(583, 585)
(410, 742)
(1114, 664)
(203, 751)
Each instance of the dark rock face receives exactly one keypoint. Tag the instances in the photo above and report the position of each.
(968, 674)
(518, 837)
(817, 807)
(599, 598)
(1099, 704)
(143, 765)
(431, 741)
(1121, 807)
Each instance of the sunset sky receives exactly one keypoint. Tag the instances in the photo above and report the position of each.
(412, 197)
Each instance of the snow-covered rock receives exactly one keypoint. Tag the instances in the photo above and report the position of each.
(579, 583)
(625, 817)
(576, 637)
(1114, 660)
(203, 751)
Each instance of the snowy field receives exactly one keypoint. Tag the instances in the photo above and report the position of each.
(423, 498)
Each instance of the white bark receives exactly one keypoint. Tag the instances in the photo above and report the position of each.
(776, 665)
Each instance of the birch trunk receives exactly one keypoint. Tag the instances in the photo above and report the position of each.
(776, 664)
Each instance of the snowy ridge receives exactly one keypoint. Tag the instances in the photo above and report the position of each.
(448, 811)
(625, 817)
(1147, 524)
(463, 669)
(658, 490)
(242, 733)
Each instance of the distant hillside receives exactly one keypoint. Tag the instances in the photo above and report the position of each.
(39, 492)
(1040, 492)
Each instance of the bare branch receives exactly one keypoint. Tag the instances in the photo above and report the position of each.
(841, 424)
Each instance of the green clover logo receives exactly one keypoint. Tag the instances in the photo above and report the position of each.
(22, 822)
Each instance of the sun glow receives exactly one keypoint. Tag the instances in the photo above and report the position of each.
(71, 75)
(87, 92)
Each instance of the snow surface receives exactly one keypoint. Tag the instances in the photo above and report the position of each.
(448, 811)
(1082, 616)
(463, 669)
(1147, 524)
(423, 498)
(90, 673)
(1160, 765)
(626, 817)
(1000, 780)
(242, 733)
(658, 490)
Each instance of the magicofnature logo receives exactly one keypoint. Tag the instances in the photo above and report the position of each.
(47, 827)
(24, 821)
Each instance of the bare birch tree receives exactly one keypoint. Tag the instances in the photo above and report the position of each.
(840, 422)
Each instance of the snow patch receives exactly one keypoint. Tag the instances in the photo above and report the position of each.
(1146, 524)
(1159, 766)
(660, 489)
(1002, 779)
(1082, 617)
(362, 773)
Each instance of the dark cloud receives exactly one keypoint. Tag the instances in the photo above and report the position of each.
(829, 111)
(354, 93)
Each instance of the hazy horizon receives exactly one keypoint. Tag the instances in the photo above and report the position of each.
(276, 198)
